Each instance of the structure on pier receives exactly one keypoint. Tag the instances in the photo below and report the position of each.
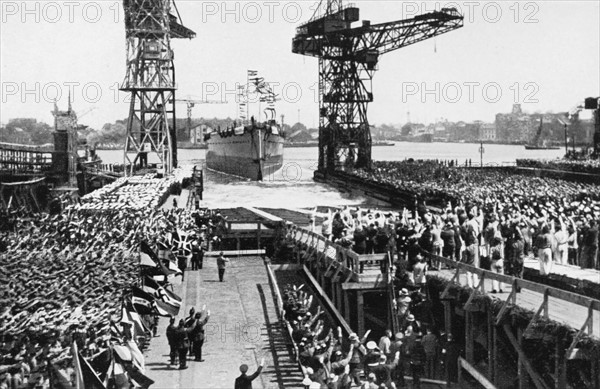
(531, 317)
(348, 59)
(66, 145)
(150, 26)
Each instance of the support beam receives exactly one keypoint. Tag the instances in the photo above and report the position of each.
(346, 305)
(512, 299)
(543, 308)
(490, 339)
(537, 380)
(360, 312)
(469, 341)
(327, 301)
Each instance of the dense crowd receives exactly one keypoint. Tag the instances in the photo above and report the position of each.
(488, 211)
(588, 166)
(65, 280)
(330, 360)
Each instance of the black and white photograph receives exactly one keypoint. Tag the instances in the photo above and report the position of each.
(310, 194)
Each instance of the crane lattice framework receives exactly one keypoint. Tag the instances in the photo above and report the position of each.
(348, 59)
(150, 26)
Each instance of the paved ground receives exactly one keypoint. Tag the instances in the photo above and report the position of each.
(243, 328)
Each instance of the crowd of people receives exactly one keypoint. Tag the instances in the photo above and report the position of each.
(331, 361)
(490, 212)
(588, 166)
(64, 277)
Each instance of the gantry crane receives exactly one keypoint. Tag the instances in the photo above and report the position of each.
(150, 25)
(191, 104)
(348, 59)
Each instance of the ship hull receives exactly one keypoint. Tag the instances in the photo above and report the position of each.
(253, 155)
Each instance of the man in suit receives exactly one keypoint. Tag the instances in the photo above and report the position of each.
(197, 334)
(182, 342)
(171, 338)
(222, 265)
(245, 381)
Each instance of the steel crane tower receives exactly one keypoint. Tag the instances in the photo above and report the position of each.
(150, 25)
(348, 59)
(191, 104)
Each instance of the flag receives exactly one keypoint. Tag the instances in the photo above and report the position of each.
(166, 302)
(164, 309)
(137, 358)
(161, 292)
(140, 379)
(85, 376)
(150, 285)
(142, 301)
(101, 364)
(130, 316)
(146, 260)
(161, 269)
(170, 262)
(119, 375)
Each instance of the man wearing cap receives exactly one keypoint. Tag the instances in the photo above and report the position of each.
(398, 347)
(171, 339)
(417, 361)
(197, 334)
(222, 265)
(402, 303)
(196, 255)
(245, 381)
(372, 357)
(358, 353)
(383, 371)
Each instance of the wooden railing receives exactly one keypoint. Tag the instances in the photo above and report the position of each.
(24, 158)
(518, 284)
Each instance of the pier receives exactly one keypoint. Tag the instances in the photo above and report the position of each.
(337, 274)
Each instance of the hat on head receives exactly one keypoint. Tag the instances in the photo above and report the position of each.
(410, 317)
(404, 292)
(399, 336)
(371, 345)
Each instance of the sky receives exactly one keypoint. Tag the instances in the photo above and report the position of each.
(544, 55)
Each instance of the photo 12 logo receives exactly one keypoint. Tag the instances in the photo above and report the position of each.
(61, 11)
(475, 11)
(251, 11)
(469, 91)
(90, 92)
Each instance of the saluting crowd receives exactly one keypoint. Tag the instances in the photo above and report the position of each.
(66, 282)
(333, 361)
(488, 218)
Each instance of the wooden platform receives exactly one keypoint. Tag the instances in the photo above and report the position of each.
(243, 328)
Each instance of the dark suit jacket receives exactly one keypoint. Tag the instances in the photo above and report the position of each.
(244, 381)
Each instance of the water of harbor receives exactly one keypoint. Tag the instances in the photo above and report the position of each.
(293, 187)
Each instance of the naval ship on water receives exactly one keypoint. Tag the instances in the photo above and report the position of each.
(248, 148)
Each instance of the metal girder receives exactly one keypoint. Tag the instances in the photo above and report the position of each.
(348, 59)
(150, 78)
